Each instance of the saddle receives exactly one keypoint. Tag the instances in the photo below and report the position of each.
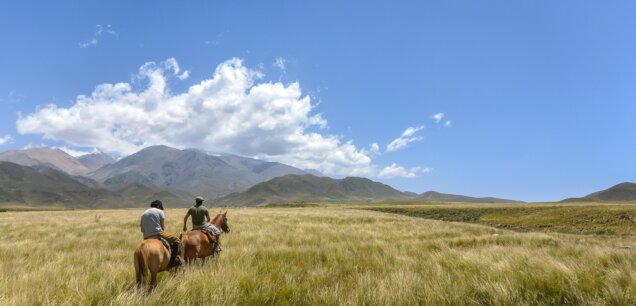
(165, 242)
(173, 250)
(208, 233)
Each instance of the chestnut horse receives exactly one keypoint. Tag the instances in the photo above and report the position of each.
(150, 256)
(196, 244)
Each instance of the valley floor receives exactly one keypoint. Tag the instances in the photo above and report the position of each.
(315, 255)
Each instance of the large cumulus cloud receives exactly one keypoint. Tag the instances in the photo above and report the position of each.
(230, 112)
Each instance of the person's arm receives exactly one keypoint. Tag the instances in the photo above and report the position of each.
(163, 227)
(141, 226)
(185, 221)
(207, 216)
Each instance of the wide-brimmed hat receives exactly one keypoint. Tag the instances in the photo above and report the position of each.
(199, 199)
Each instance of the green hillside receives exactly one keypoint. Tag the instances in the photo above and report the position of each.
(310, 188)
(622, 192)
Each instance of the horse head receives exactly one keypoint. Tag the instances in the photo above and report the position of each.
(223, 220)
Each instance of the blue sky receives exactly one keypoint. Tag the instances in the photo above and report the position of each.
(539, 94)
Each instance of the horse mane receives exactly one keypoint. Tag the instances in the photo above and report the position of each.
(215, 218)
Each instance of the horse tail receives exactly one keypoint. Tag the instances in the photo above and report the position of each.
(141, 267)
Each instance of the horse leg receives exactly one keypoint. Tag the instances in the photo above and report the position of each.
(140, 279)
(153, 281)
(154, 265)
(190, 255)
(196, 252)
(217, 247)
(216, 253)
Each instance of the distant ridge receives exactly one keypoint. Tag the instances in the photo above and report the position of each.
(46, 186)
(25, 185)
(620, 192)
(49, 157)
(445, 197)
(311, 188)
(175, 176)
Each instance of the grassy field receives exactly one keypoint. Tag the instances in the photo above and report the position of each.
(323, 255)
(582, 218)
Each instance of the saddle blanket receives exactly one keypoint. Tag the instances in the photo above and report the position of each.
(209, 228)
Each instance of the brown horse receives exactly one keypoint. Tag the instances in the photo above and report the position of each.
(196, 244)
(150, 256)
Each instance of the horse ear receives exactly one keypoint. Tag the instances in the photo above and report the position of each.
(225, 213)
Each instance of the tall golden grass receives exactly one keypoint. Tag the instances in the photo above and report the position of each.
(313, 255)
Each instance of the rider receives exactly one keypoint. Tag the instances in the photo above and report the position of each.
(201, 219)
(152, 225)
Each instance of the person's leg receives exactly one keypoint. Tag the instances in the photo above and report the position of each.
(175, 248)
(217, 237)
(214, 230)
(172, 238)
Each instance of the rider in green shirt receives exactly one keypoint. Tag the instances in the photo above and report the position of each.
(201, 219)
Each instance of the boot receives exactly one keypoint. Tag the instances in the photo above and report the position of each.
(175, 258)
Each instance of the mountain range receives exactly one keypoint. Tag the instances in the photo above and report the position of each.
(157, 171)
(310, 188)
(38, 186)
(49, 157)
(47, 176)
(189, 172)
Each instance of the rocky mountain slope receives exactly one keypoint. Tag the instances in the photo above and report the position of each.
(95, 161)
(190, 172)
(53, 158)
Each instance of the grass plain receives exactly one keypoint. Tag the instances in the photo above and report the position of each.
(327, 255)
(579, 218)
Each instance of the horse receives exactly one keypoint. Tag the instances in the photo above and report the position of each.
(196, 244)
(150, 256)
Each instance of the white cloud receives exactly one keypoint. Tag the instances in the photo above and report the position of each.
(228, 113)
(75, 153)
(375, 148)
(172, 64)
(404, 139)
(280, 63)
(99, 32)
(394, 170)
(88, 43)
(5, 139)
(438, 117)
(69, 151)
(184, 75)
(31, 146)
(448, 124)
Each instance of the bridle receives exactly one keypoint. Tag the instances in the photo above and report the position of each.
(224, 226)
